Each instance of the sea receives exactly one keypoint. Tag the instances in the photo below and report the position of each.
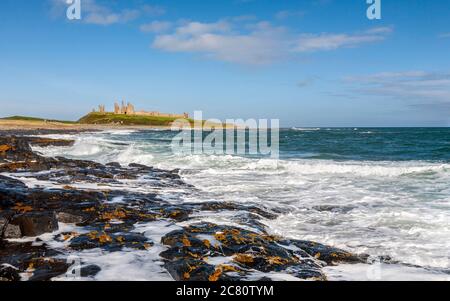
(380, 191)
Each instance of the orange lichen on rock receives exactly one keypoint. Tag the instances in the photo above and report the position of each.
(277, 260)
(228, 268)
(20, 207)
(216, 275)
(243, 258)
(104, 238)
(93, 234)
(116, 214)
(186, 241)
(187, 275)
(207, 243)
(4, 148)
(69, 236)
(219, 236)
(220, 269)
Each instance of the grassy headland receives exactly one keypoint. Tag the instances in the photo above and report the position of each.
(110, 118)
(25, 118)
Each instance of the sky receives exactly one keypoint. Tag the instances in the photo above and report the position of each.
(316, 63)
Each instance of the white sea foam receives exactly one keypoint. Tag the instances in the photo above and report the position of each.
(306, 129)
(400, 209)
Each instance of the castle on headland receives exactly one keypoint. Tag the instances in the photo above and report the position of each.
(128, 109)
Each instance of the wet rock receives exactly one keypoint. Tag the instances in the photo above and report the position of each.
(110, 242)
(33, 260)
(198, 270)
(36, 223)
(9, 273)
(114, 164)
(10, 183)
(218, 206)
(330, 255)
(8, 230)
(90, 270)
(248, 250)
(110, 217)
(139, 166)
(44, 269)
(176, 213)
(69, 218)
(45, 142)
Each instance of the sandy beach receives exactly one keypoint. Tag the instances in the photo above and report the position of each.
(7, 125)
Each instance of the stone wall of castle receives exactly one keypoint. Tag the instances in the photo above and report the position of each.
(128, 109)
(158, 114)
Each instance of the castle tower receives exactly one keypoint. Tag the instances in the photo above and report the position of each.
(101, 109)
(130, 109)
(116, 108)
(123, 109)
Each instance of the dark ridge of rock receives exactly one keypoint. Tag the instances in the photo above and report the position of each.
(32, 259)
(198, 270)
(330, 255)
(47, 268)
(69, 218)
(90, 270)
(9, 273)
(110, 242)
(45, 142)
(8, 230)
(250, 251)
(217, 206)
(8, 183)
(114, 164)
(36, 223)
(176, 213)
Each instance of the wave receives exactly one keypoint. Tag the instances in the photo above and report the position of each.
(305, 129)
(396, 208)
(106, 150)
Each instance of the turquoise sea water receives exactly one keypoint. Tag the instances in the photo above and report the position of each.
(382, 191)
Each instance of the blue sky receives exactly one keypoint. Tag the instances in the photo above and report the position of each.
(308, 63)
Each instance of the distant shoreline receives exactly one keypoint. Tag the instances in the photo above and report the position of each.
(12, 125)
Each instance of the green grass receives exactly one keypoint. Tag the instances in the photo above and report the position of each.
(110, 118)
(25, 118)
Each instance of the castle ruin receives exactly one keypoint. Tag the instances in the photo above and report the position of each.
(128, 109)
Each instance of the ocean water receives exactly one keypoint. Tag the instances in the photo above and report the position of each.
(381, 191)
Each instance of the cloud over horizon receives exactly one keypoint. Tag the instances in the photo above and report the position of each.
(256, 43)
(417, 87)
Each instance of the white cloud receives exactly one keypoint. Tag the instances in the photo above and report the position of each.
(156, 26)
(411, 85)
(262, 45)
(255, 43)
(326, 42)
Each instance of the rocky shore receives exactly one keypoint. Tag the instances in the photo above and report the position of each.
(91, 199)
